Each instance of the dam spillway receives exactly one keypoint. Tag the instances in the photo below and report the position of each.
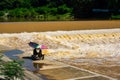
(69, 44)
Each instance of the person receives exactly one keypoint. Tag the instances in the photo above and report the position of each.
(37, 54)
(40, 55)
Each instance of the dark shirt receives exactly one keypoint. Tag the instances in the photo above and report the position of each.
(35, 52)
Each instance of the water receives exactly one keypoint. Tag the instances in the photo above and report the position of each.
(15, 27)
(12, 54)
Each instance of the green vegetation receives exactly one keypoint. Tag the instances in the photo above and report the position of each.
(116, 17)
(1, 13)
(58, 9)
(1, 58)
(11, 70)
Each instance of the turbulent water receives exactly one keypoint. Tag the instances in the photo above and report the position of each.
(68, 44)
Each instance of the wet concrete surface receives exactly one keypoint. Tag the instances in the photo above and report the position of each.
(54, 70)
(105, 66)
(63, 73)
(95, 78)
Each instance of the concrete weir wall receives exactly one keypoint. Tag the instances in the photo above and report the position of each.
(68, 44)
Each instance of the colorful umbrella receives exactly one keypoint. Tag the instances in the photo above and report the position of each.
(43, 47)
(35, 45)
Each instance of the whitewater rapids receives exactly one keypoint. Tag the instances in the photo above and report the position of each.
(68, 44)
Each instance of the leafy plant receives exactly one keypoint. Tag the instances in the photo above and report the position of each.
(1, 13)
(1, 58)
(12, 70)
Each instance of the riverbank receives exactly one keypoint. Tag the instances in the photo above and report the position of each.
(16, 27)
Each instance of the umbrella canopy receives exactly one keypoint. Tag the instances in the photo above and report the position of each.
(43, 47)
(35, 45)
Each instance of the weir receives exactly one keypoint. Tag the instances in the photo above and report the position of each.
(90, 49)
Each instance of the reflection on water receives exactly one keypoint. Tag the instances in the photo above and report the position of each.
(38, 65)
(29, 64)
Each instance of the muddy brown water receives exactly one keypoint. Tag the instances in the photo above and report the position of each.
(16, 27)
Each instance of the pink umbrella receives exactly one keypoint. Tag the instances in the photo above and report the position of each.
(43, 47)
